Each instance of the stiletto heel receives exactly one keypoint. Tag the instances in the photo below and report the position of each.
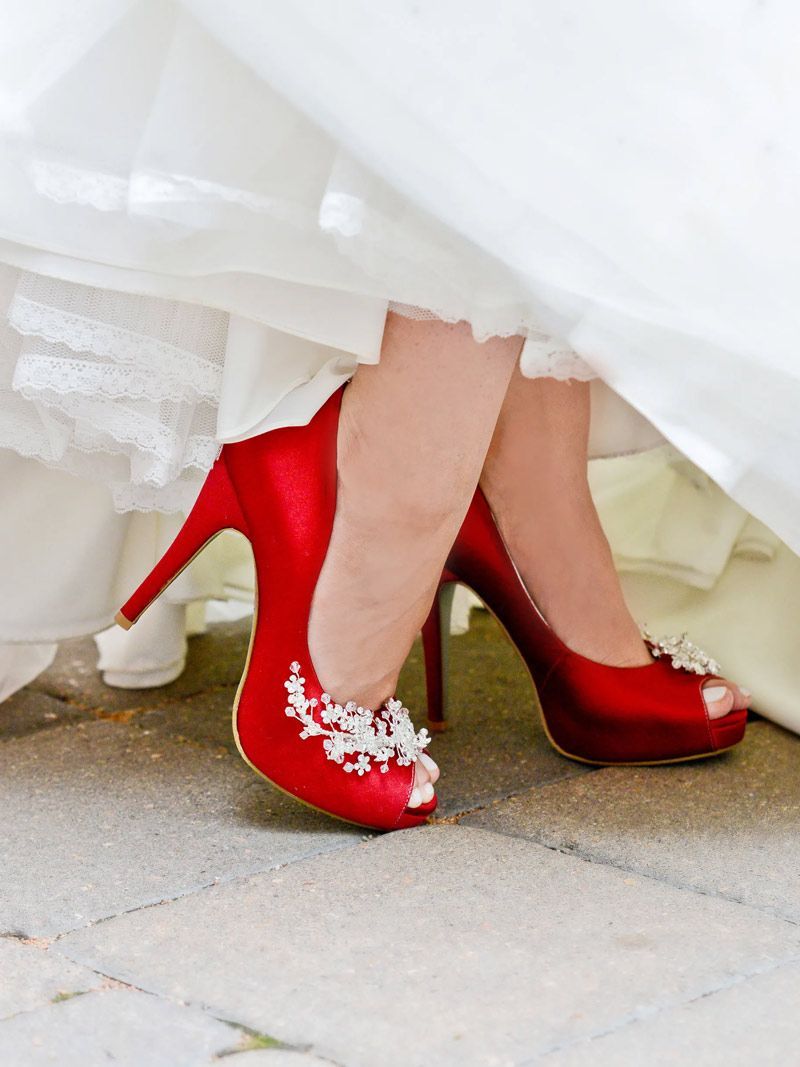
(435, 646)
(592, 712)
(216, 509)
(279, 489)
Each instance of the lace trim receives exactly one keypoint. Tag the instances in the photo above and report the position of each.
(340, 213)
(563, 367)
(181, 371)
(73, 185)
(132, 428)
(35, 373)
(179, 188)
(177, 497)
(67, 184)
(546, 358)
(18, 435)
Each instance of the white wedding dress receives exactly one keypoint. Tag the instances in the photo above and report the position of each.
(206, 209)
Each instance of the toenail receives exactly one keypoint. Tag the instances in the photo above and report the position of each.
(427, 793)
(714, 693)
(414, 800)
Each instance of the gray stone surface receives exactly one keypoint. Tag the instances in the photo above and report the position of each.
(204, 718)
(280, 1057)
(101, 817)
(470, 945)
(33, 975)
(728, 826)
(123, 1027)
(446, 946)
(748, 1024)
(28, 711)
(214, 659)
(494, 745)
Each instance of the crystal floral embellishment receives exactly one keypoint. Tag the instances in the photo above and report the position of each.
(355, 737)
(685, 654)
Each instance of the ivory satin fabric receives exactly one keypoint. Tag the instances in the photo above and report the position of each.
(621, 179)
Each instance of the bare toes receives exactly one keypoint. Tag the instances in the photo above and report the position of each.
(719, 700)
(423, 791)
(431, 766)
(741, 697)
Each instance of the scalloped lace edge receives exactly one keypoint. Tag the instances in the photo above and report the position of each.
(180, 370)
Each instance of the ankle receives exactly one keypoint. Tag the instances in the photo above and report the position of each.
(561, 552)
(519, 489)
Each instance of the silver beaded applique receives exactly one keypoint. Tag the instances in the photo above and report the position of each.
(355, 731)
(685, 654)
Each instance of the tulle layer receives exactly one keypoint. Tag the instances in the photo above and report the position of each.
(579, 171)
(120, 388)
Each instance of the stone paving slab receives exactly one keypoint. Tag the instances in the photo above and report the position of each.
(280, 1057)
(215, 658)
(749, 1023)
(28, 711)
(123, 1027)
(446, 946)
(101, 817)
(495, 744)
(33, 975)
(204, 718)
(727, 826)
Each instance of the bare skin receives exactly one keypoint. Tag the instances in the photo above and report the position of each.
(413, 436)
(535, 478)
(416, 433)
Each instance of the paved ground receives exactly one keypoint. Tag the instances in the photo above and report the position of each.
(160, 905)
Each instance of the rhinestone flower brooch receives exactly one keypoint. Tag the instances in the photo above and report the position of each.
(685, 654)
(352, 731)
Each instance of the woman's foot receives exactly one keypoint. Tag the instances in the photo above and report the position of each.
(411, 446)
(535, 479)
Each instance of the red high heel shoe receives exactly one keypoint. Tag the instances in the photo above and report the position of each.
(592, 712)
(279, 490)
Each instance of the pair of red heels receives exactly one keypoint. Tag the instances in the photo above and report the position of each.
(279, 490)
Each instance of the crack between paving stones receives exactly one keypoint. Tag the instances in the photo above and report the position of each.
(271, 1042)
(622, 1024)
(141, 709)
(454, 818)
(59, 999)
(147, 905)
(108, 981)
(206, 1009)
(100, 712)
(588, 857)
(647, 1014)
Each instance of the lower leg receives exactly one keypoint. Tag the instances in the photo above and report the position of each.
(535, 478)
(413, 436)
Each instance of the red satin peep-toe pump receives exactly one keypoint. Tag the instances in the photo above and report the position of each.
(279, 490)
(592, 712)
